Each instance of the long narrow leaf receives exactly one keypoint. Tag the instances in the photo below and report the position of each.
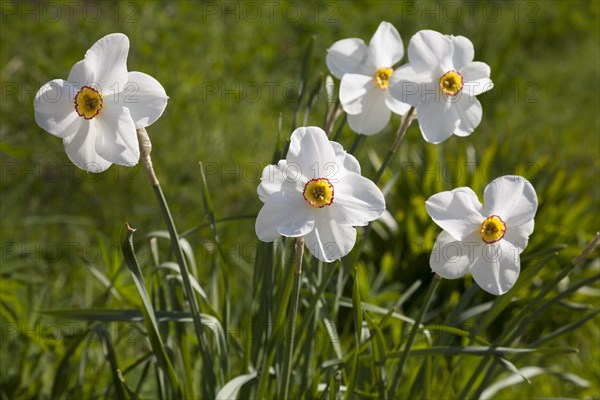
(379, 351)
(109, 352)
(531, 372)
(148, 313)
(231, 388)
(481, 351)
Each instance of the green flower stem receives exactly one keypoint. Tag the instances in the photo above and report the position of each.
(411, 337)
(406, 120)
(287, 363)
(145, 149)
(357, 142)
(332, 115)
(338, 131)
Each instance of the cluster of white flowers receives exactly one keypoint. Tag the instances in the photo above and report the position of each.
(441, 81)
(318, 192)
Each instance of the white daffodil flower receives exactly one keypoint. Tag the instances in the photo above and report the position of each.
(97, 110)
(441, 80)
(317, 192)
(365, 73)
(485, 240)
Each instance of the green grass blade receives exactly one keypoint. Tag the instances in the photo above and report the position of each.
(233, 218)
(529, 307)
(62, 372)
(379, 352)
(334, 338)
(407, 293)
(411, 337)
(209, 385)
(316, 296)
(347, 302)
(304, 74)
(290, 343)
(150, 322)
(556, 299)
(357, 315)
(501, 302)
(531, 372)
(230, 390)
(109, 353)
(174, 267)
(565, 329)
(312, 99)
(479, 351)
(129, 315)
(351, 381)
(183, 244)
(107, 283)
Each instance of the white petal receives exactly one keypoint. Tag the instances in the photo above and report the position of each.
(54, 109)
(353, 89)
(145, 97)
(349, 56)
(107, 58)
(80, 75)
(284, 213)
(375, 114)
(476, 77)
(512, 198)
(116, 139)
(518, 235)
(330, 241)
(458, 211)
(430, 51)
(396, 106)
(311, 154)
(410, 86)
(271, 180)
(347, 160)
(437, 120)
(81, 148)
(386, 47)
(469, 111)
(498, 267)
(357, 201)
(463, 52)
(451, 258)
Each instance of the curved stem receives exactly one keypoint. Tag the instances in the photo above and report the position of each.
(145, 149)
(411, 337)
(287, 363)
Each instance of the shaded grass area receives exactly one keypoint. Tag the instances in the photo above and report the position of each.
(230, 74)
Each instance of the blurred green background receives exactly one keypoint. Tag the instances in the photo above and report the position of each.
(231, 69)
